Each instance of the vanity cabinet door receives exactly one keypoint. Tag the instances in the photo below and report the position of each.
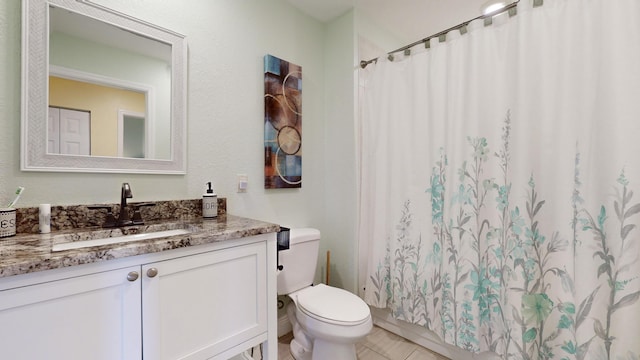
(95, 316)
(207, 306)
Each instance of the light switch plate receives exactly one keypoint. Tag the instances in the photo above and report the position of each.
(243, 183)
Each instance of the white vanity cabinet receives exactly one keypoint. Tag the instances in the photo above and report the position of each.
(95, 316)
(202, 302)
(200, 306)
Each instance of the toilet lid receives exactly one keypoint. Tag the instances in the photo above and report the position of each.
(332, 305)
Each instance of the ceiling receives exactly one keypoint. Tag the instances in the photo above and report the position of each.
(92, 30)
(408, 20)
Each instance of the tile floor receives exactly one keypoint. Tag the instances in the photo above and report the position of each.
(378, 345)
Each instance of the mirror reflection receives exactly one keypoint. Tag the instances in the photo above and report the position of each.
(109, 90)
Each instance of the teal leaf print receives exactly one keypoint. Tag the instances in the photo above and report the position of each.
(503, 197)
(567, 308)
(467, 331)
(480, 147)
(569, 347)
(622, 179)
(530, 335)
(611, 251)
(565, 322)
(517, 221)
(493, 241)
(602, 217)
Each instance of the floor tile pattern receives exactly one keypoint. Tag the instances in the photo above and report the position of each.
(378, 345)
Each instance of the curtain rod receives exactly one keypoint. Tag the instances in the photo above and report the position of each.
(364, 63)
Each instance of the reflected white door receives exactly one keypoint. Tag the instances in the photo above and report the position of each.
(75, 136)
(53, 125)
(73, 132)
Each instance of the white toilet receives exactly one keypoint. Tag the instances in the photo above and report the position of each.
(327, 322)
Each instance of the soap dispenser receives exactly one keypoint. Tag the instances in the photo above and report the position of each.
(209, 203)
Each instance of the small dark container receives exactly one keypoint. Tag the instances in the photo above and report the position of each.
(283, 238)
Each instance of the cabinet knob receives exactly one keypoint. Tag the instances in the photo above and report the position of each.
(152, 272)
(132, 276)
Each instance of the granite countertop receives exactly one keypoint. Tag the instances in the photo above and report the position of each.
(27, 253)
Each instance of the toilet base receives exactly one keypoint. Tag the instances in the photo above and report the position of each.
(306, 347)
(298, 351)
(301, 344)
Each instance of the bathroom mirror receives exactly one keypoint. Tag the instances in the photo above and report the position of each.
(101, 91)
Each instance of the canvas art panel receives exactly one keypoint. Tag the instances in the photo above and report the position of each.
(282, 124)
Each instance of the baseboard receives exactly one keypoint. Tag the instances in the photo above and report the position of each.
(418, 335)
(284, 325)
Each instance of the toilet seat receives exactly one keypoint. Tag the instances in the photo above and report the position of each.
(332, 305)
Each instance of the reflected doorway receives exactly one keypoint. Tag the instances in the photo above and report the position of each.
(69, 131)
(133, 140)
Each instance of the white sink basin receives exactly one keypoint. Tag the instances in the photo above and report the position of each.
(117, 239)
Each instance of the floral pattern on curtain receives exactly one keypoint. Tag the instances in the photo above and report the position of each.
(499, 188)
(478, 259)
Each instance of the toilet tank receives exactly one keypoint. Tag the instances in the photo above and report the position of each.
(299, 261)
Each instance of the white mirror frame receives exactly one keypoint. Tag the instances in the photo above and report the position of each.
(35, 93)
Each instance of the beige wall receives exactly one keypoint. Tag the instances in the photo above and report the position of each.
(84, 96)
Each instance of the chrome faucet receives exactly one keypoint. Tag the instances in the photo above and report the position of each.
(123, 217)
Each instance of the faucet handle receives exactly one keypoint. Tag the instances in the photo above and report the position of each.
(110, 220)
(137, 217)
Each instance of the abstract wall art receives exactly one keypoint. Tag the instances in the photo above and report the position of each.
(282, 124)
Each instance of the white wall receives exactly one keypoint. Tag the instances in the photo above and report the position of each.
(227, 41)
(339, 232)
(374, 39)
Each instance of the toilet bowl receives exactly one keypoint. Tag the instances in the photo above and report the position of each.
(331, 321)
(327, 321)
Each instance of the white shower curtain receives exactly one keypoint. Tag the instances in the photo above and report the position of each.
(500, 183)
